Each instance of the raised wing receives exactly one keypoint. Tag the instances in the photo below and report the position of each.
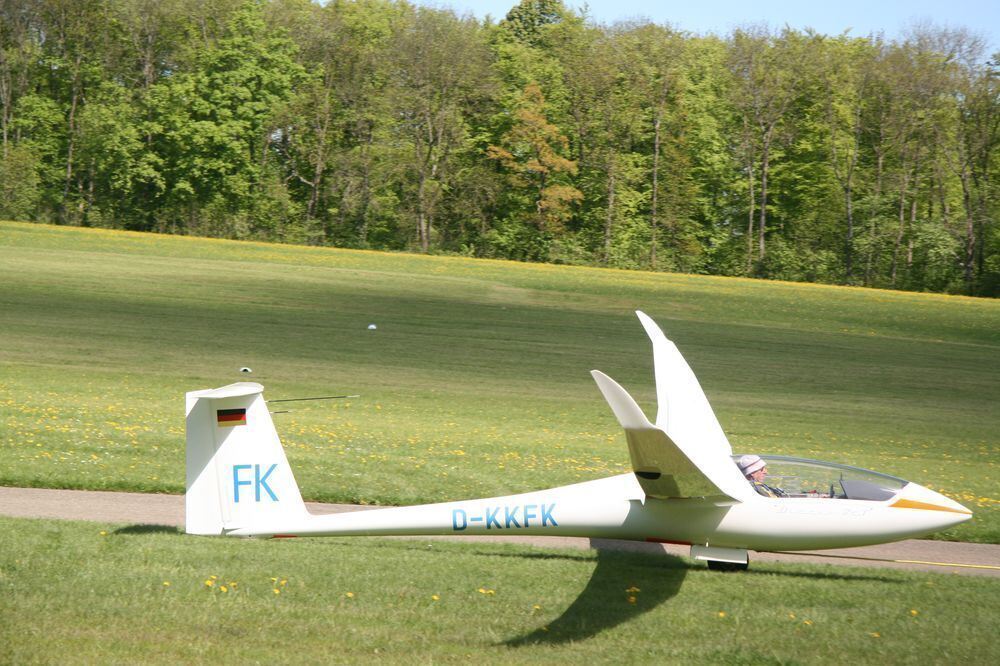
(662, 468)
(684, 411)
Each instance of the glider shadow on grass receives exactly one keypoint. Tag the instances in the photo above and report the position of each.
(624, 585)
(652, 577)
(149, 529)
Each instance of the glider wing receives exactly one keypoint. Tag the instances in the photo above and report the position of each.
(684, 411)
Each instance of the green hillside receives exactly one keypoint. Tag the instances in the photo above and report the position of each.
(476, 380)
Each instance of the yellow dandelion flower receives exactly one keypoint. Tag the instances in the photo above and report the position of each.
(209, 582)
(283, 581)
(349, 595)
(435, 597)
(633, 590)
(631, 599)
(166, 583)
(223, 588)
(914, 612)
(104, 533)
(722, 613)
(808, 623)
(536, 607)
(276, 591)
(791, 616)
(274, 580)
(875, 634)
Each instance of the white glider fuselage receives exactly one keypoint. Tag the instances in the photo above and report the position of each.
(616, 508)
(685, 487)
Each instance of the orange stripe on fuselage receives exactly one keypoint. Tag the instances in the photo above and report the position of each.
(911, 504)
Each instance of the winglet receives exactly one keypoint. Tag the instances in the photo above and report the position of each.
(629, 414)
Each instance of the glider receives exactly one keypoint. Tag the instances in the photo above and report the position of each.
(684, 488)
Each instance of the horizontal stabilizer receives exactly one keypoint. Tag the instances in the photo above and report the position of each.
(662, 468)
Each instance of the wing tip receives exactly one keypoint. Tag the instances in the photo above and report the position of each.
(626, 410)
(652, 329)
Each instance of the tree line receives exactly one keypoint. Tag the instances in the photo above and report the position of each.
(542, 136)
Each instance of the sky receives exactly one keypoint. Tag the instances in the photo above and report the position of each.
(861, 17)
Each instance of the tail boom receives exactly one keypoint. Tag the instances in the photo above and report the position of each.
(594, 508)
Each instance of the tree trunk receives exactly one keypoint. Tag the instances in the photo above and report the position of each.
(753, 201)
(656, 190)
(610, 216)
(319, 165)
(899, 230)
(849, 241)
(970, 232)
(69, 155)
(421, 218)
(980, 219)
(5, 106)
(366, 178)
(764, 164)
(880, 165)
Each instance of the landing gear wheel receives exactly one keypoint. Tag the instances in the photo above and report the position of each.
(716, 565)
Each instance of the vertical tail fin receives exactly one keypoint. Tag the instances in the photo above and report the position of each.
(237, 472)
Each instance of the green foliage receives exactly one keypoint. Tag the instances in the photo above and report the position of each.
(532, 152)
(543, 136)
(111, 150)
(213, 126)
(19, 183)
(513, 238)
(526, 21)
(38, 123)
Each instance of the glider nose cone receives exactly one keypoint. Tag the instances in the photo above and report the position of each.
(943, 511)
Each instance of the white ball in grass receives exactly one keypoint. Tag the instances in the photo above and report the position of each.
(372, 327)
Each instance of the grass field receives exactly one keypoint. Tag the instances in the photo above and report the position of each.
(476, 381)
(92, 593)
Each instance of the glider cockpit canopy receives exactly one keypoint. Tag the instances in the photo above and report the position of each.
(801, 477)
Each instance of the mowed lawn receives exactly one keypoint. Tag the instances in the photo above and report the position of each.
(98, 593)
(476, 380)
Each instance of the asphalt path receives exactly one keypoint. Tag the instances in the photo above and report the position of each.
(967, 559)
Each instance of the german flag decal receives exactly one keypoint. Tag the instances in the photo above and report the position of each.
(231, 417)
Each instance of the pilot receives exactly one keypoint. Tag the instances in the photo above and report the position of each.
(755, 469)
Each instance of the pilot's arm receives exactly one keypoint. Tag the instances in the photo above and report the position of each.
(768, 491)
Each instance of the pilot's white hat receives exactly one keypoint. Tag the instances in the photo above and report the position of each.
(750, 463)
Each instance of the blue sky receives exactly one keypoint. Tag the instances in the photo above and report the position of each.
(721, 16)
